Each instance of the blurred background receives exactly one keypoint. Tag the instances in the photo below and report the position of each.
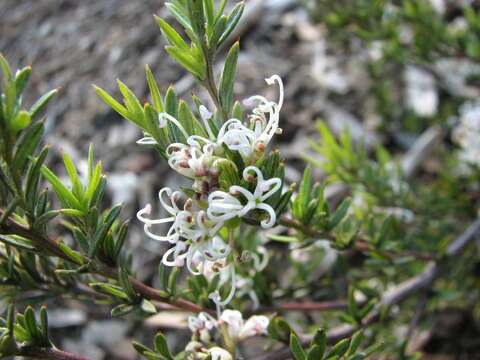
(387, 70)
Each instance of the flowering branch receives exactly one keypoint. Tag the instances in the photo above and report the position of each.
(53, 248)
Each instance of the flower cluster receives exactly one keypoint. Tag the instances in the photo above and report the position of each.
(204, 327)
(195, 220)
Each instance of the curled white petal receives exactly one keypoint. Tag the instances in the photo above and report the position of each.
(205, 114)
(147, 140)
(163, 117)
(215, 296)
(272, 217)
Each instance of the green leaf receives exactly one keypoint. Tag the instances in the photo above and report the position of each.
(148, 307)
(21, 121)
(197, 19)
(40, 104)
(296, 348)
(21, 79)
(5, 66)
(120, 239)
(33, 177)
(232, 21)
(26, 147)
(44, 322)
(77, 186)
(355, 343)
(339, 349)
(114, 104)
(227, 80)
(73, 255)
(154, 91)
(11, 308)
(17, 242)
(63, 194)
(122, 309)
(94, 182)
(218, 31)
(49, 215)
(81, 239)
(228, 173)
(140, 348)
(31, 323)
(180, 15)
(109, 289)
(189, 121)
(283, 238)
(171, 34)
(352, 303)
(221, 7)
(320, 341)
(300, 203)
(161, 346)
(208, 7)
(314, 353)
(172, 281)
(339, 214)
(194, 65)
(104, 228)
(133, 105)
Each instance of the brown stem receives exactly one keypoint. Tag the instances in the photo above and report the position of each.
(50, 245)
(360, 245)
(311, 306)
(49, 354)
(395, 296)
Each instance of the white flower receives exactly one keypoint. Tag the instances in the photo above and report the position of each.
(233, 319)
(179, 218)
(256, 325)
(215, 296)
(238, 329)
(224, 206)
(194, 347)
(265, 120)
(217, 353)
(190, 161)
(206, 115)
(207, 253)
(202, 326)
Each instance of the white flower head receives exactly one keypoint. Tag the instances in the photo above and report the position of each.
(180, 219)
(264, 119)
(238, 329)
(256, 325)
(190, 161)
(233, 320)
(224, 206)
(202, 326)
(217, 353)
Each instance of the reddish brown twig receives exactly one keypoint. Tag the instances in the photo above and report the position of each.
(51, 246)
(49, 354)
